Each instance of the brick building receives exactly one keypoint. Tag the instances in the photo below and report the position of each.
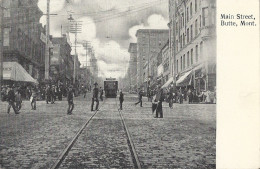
(193, 43)
(24, 36)
(61, 61)
(149, 44)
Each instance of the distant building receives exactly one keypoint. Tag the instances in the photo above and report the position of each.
(24, 36)
(193, 43)
(132, 70)
(60, 59)
(149, 44)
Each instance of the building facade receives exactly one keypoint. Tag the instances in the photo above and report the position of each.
(193, 43)
(149, 44)
(61, 62)
(24, 36)
(132, 69)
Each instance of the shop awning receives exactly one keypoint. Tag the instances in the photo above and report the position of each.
(184, 79)
(15, 72)
(168, 82)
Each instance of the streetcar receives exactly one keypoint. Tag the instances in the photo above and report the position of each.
(110, 87)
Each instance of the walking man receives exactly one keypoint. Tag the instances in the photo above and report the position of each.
(121, 99)
(11, 100)
(33, 98)
(70, 100)
(101, 94)
(95, 97)
(140, 97)
(18, 100)
(159, 98)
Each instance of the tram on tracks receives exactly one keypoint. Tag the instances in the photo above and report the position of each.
(110, 87)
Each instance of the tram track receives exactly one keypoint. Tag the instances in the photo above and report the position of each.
(135, 160)
(72, 142)
(129, 139)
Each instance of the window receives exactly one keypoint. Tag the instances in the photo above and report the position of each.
(201, 50)
(177, 45)
(196, 6)
(187, 14)
(197, 53)
(188, 59)
(191, 32)
(177, 29)
(6, 8)
(205, 13)
(182, 17)
(191, 57)
(196, 27)
(6, 37)
(181, 63)
(191, 9)
(183, 38)
(184, 64)
(188, 35)
(177, 66)
(181, 41)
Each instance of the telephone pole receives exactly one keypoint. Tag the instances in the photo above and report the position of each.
(75, 28)
(1, 41)
(47, 56)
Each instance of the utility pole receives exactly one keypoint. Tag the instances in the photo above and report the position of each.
(75, 28)
(1, 41)
(47, 56)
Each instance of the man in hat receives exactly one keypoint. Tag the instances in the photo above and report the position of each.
(95, 97)
(140, 97)
(11, 100)
(70, 100)
(121, 99)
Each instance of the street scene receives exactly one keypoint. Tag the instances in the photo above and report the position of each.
(108, 84)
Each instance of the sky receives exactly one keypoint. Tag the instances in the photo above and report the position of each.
(109, 26)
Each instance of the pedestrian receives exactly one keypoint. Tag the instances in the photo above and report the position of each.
(48, 94)
(95, 97)
(70, 100)
(33, 98)
(53, 97)
(121, 99)
(85, 91)
(27, 93)
(140, 97)
(101, 94)
(18, 100)
(159, 98)
(170, 98)
(11, 100)
(180, 95)
(154, 102)
(190, 96)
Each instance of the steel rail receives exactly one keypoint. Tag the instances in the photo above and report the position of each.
(129, 140)
(70, 145)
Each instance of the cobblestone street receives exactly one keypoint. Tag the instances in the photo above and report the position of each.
(184, 138)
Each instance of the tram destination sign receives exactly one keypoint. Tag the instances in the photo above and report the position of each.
(110, 78)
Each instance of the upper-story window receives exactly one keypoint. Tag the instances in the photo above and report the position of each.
(183, 20)
(196, 27)
(188, 59)
(188, 35)
(196, 6)
(205, 16)
(181, 41)
(184, 64)
(183, 38)
(191, 32)
(187, 14)
(197, 53)
(6, 8)
(191, 57)
(191, 8)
